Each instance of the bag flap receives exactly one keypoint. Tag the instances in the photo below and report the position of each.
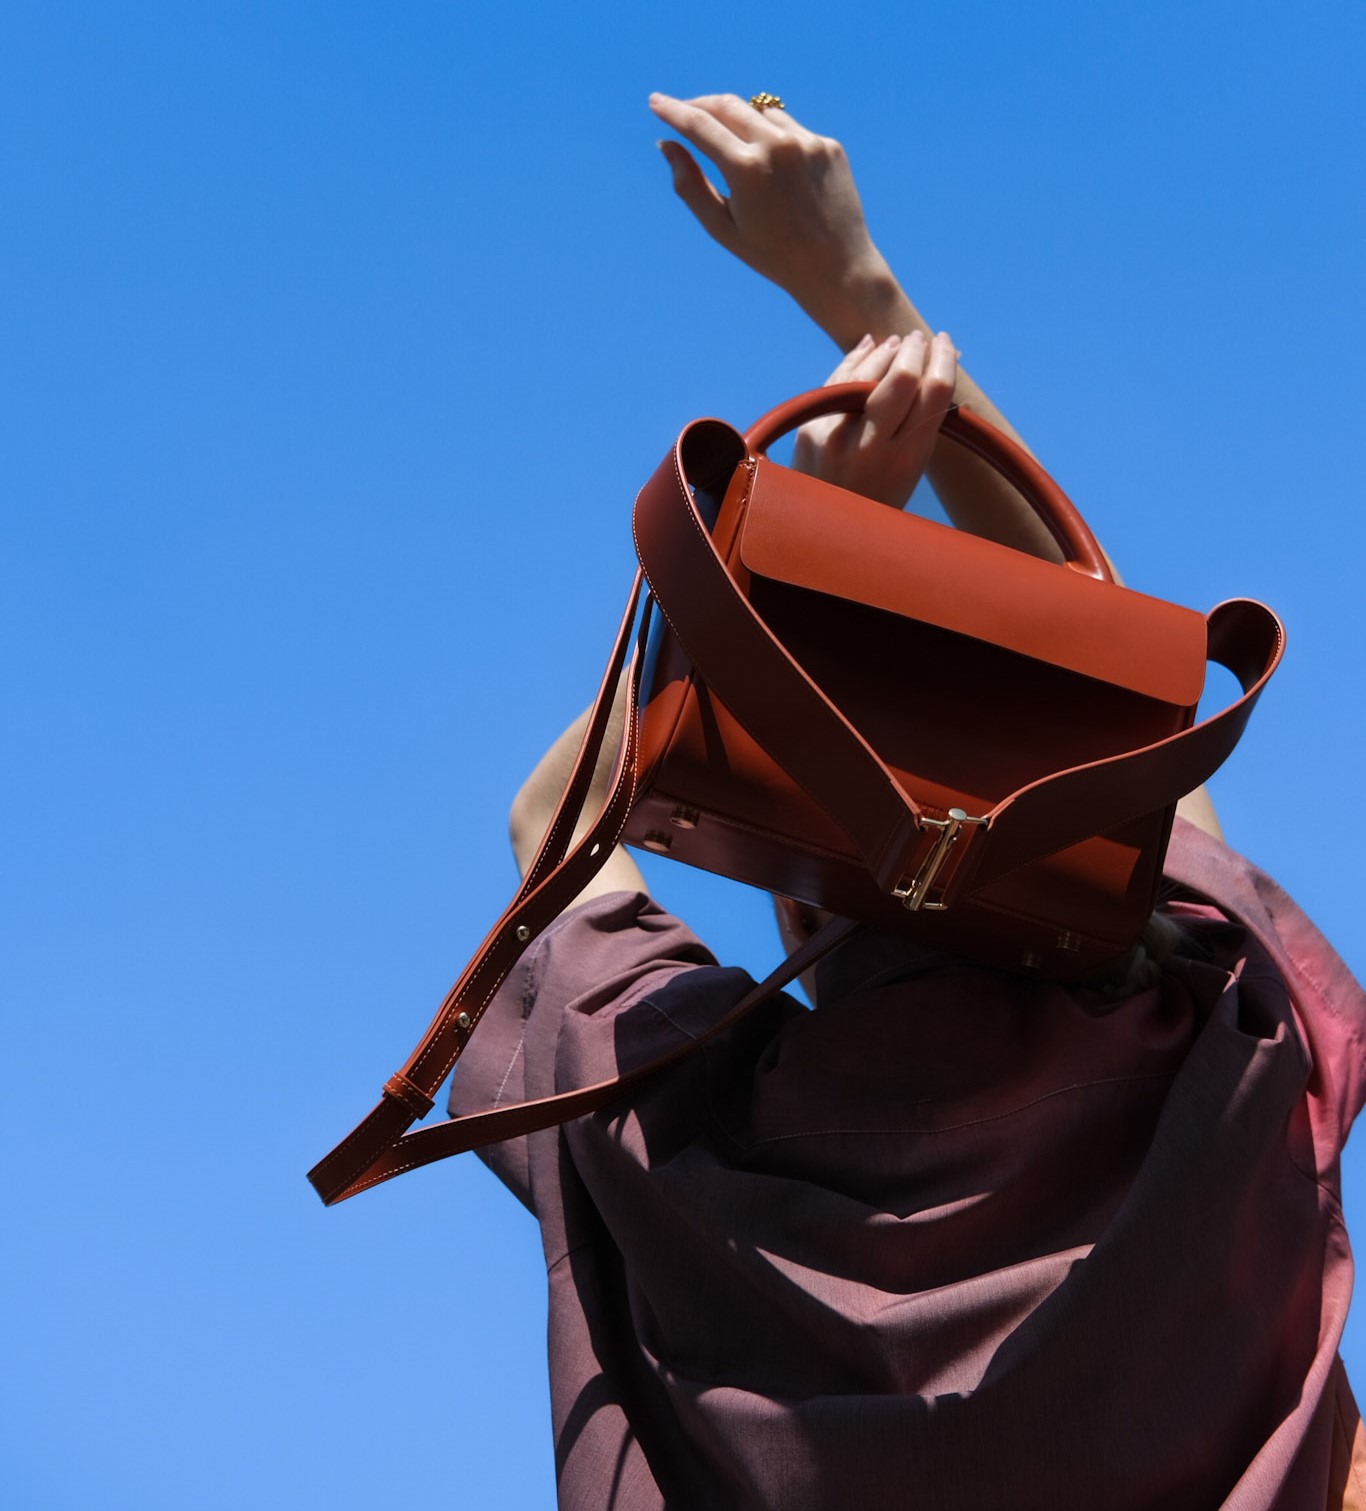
(810, 534)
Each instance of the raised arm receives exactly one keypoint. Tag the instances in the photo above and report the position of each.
(794, 215)
(535, 803)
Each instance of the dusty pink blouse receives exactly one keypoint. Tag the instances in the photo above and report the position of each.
(955, 1239)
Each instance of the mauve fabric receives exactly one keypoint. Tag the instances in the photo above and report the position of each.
(953, 1240)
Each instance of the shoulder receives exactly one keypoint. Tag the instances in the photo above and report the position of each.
(588, 969)
(608, 952)
(1328, 1002)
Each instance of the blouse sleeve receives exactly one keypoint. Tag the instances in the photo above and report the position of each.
(595, 961)
(1329, 1004)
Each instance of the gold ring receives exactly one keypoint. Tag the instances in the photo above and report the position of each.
(763, 102)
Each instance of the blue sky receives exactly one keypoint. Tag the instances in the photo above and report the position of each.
(338, 339)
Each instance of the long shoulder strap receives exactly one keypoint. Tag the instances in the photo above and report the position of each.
(551, 883)
(381, 1146)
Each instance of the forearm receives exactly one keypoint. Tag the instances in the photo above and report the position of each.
(794, 215)
(868, 299)
(534, 807)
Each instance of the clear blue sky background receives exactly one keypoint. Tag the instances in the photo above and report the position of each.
(338, 338)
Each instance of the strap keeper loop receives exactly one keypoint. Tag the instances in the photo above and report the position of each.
(398, 1088)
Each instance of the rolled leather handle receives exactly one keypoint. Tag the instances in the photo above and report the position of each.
(1079, 547)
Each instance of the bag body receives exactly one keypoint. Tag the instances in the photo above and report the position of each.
(971, 669)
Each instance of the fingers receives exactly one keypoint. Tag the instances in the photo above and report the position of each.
(914, 387)
(909, 372)
(738, 116)
(882, 451)
(941, 372)
(716, 124)
(846, 370)
(711, 135)
(717, 127)
(938, 380)
(820, 441)
(698, 192)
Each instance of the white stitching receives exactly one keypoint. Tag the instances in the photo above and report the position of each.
(507, 1074)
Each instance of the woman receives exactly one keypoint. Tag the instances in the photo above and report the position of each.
(954, 1238)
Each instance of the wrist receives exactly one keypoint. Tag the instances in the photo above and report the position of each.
(864, 300)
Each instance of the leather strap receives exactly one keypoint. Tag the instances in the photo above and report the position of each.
(475, 1129)
(551, 883)
(1064, 809)
(381, 1146)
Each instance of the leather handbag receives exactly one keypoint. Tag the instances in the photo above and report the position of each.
(908, 726)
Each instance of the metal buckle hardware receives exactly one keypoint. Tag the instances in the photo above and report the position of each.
(914, 892)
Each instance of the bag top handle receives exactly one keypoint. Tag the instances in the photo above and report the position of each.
(1079, 547)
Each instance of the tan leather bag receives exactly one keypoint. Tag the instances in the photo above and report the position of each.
(912, 726)
(906, 725)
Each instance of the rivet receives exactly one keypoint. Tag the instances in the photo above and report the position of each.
(1029, 961)
(463, 1021)
(657, 842)
(523, 933)
(685, 818)
(1070, 942)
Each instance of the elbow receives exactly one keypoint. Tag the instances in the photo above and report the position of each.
(526, 824)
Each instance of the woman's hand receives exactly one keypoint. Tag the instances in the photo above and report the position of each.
(882, 452)
(792, 212)
(794, 215)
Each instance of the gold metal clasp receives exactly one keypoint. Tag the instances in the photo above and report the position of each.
(913, 893)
